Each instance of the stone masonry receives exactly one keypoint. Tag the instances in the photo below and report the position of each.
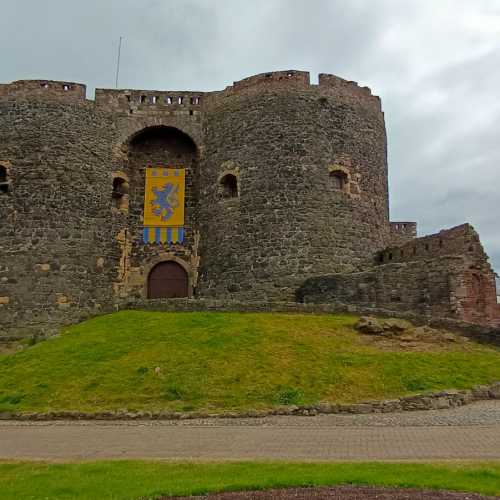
(306, 215)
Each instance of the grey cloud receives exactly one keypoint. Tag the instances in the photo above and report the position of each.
(435, 65)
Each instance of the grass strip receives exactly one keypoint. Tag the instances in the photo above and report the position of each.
(146, 479)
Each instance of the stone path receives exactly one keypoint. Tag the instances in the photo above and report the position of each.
(470, 432)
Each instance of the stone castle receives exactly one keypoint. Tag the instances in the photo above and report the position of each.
(286, 199)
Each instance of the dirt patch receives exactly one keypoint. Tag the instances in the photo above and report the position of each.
(339, 493)
(10, 348)
(394, 334)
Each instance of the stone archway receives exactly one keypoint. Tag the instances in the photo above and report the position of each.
(167, 280)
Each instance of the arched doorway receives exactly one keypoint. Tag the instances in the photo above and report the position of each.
(167, 280)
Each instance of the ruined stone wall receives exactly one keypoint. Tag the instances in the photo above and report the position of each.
(477, 288)
(426, 288)
(57, 249)
(459, 240)
(282, 139)
(441, 275)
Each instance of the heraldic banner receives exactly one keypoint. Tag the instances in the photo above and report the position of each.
(164, 205)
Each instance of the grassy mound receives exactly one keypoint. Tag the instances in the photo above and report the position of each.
(227, 361)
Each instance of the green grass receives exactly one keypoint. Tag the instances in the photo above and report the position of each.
(136, 479)
(226, 361)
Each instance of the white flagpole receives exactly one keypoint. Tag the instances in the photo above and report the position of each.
(118, 62)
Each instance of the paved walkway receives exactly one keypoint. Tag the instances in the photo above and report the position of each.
(471, 432)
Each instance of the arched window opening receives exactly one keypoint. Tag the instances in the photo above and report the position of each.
(163, 145)
(120, 193)
(4, 180)
(339, 180)
(229, 186)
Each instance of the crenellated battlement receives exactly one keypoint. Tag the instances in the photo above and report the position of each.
(335, 82)
(348, 90)
(47, 90)
(290, 78)
(402, 232)
(328, 86)
(459, 240)
(131, 100)
(148, 99)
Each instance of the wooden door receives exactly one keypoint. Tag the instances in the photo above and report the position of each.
(167, 280)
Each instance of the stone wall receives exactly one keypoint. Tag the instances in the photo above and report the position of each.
(311, 200)
(402, 232)
(424, 287)
(441, 275)
(43, 90)
(459, 240)
(476, 289)
(158, 147)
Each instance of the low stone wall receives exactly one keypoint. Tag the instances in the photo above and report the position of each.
(479, 333)
(432, 401)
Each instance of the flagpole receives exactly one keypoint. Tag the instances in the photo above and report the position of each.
(118, 62)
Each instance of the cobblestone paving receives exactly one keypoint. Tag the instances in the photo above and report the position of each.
(471, 432)
(480, 413)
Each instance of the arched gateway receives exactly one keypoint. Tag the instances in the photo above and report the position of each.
(167, 280)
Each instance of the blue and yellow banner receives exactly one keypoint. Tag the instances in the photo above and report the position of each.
(164, 205)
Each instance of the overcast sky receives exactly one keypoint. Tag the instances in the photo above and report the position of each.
(434, 63)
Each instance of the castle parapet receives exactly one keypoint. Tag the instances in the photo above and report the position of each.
(347, 89)
(148, 100)
(459, 240)
(329, 85)
(290, 79)
(43, 90)
(402, 232)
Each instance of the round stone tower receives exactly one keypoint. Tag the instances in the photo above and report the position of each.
(293, 184)
(57, 241)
